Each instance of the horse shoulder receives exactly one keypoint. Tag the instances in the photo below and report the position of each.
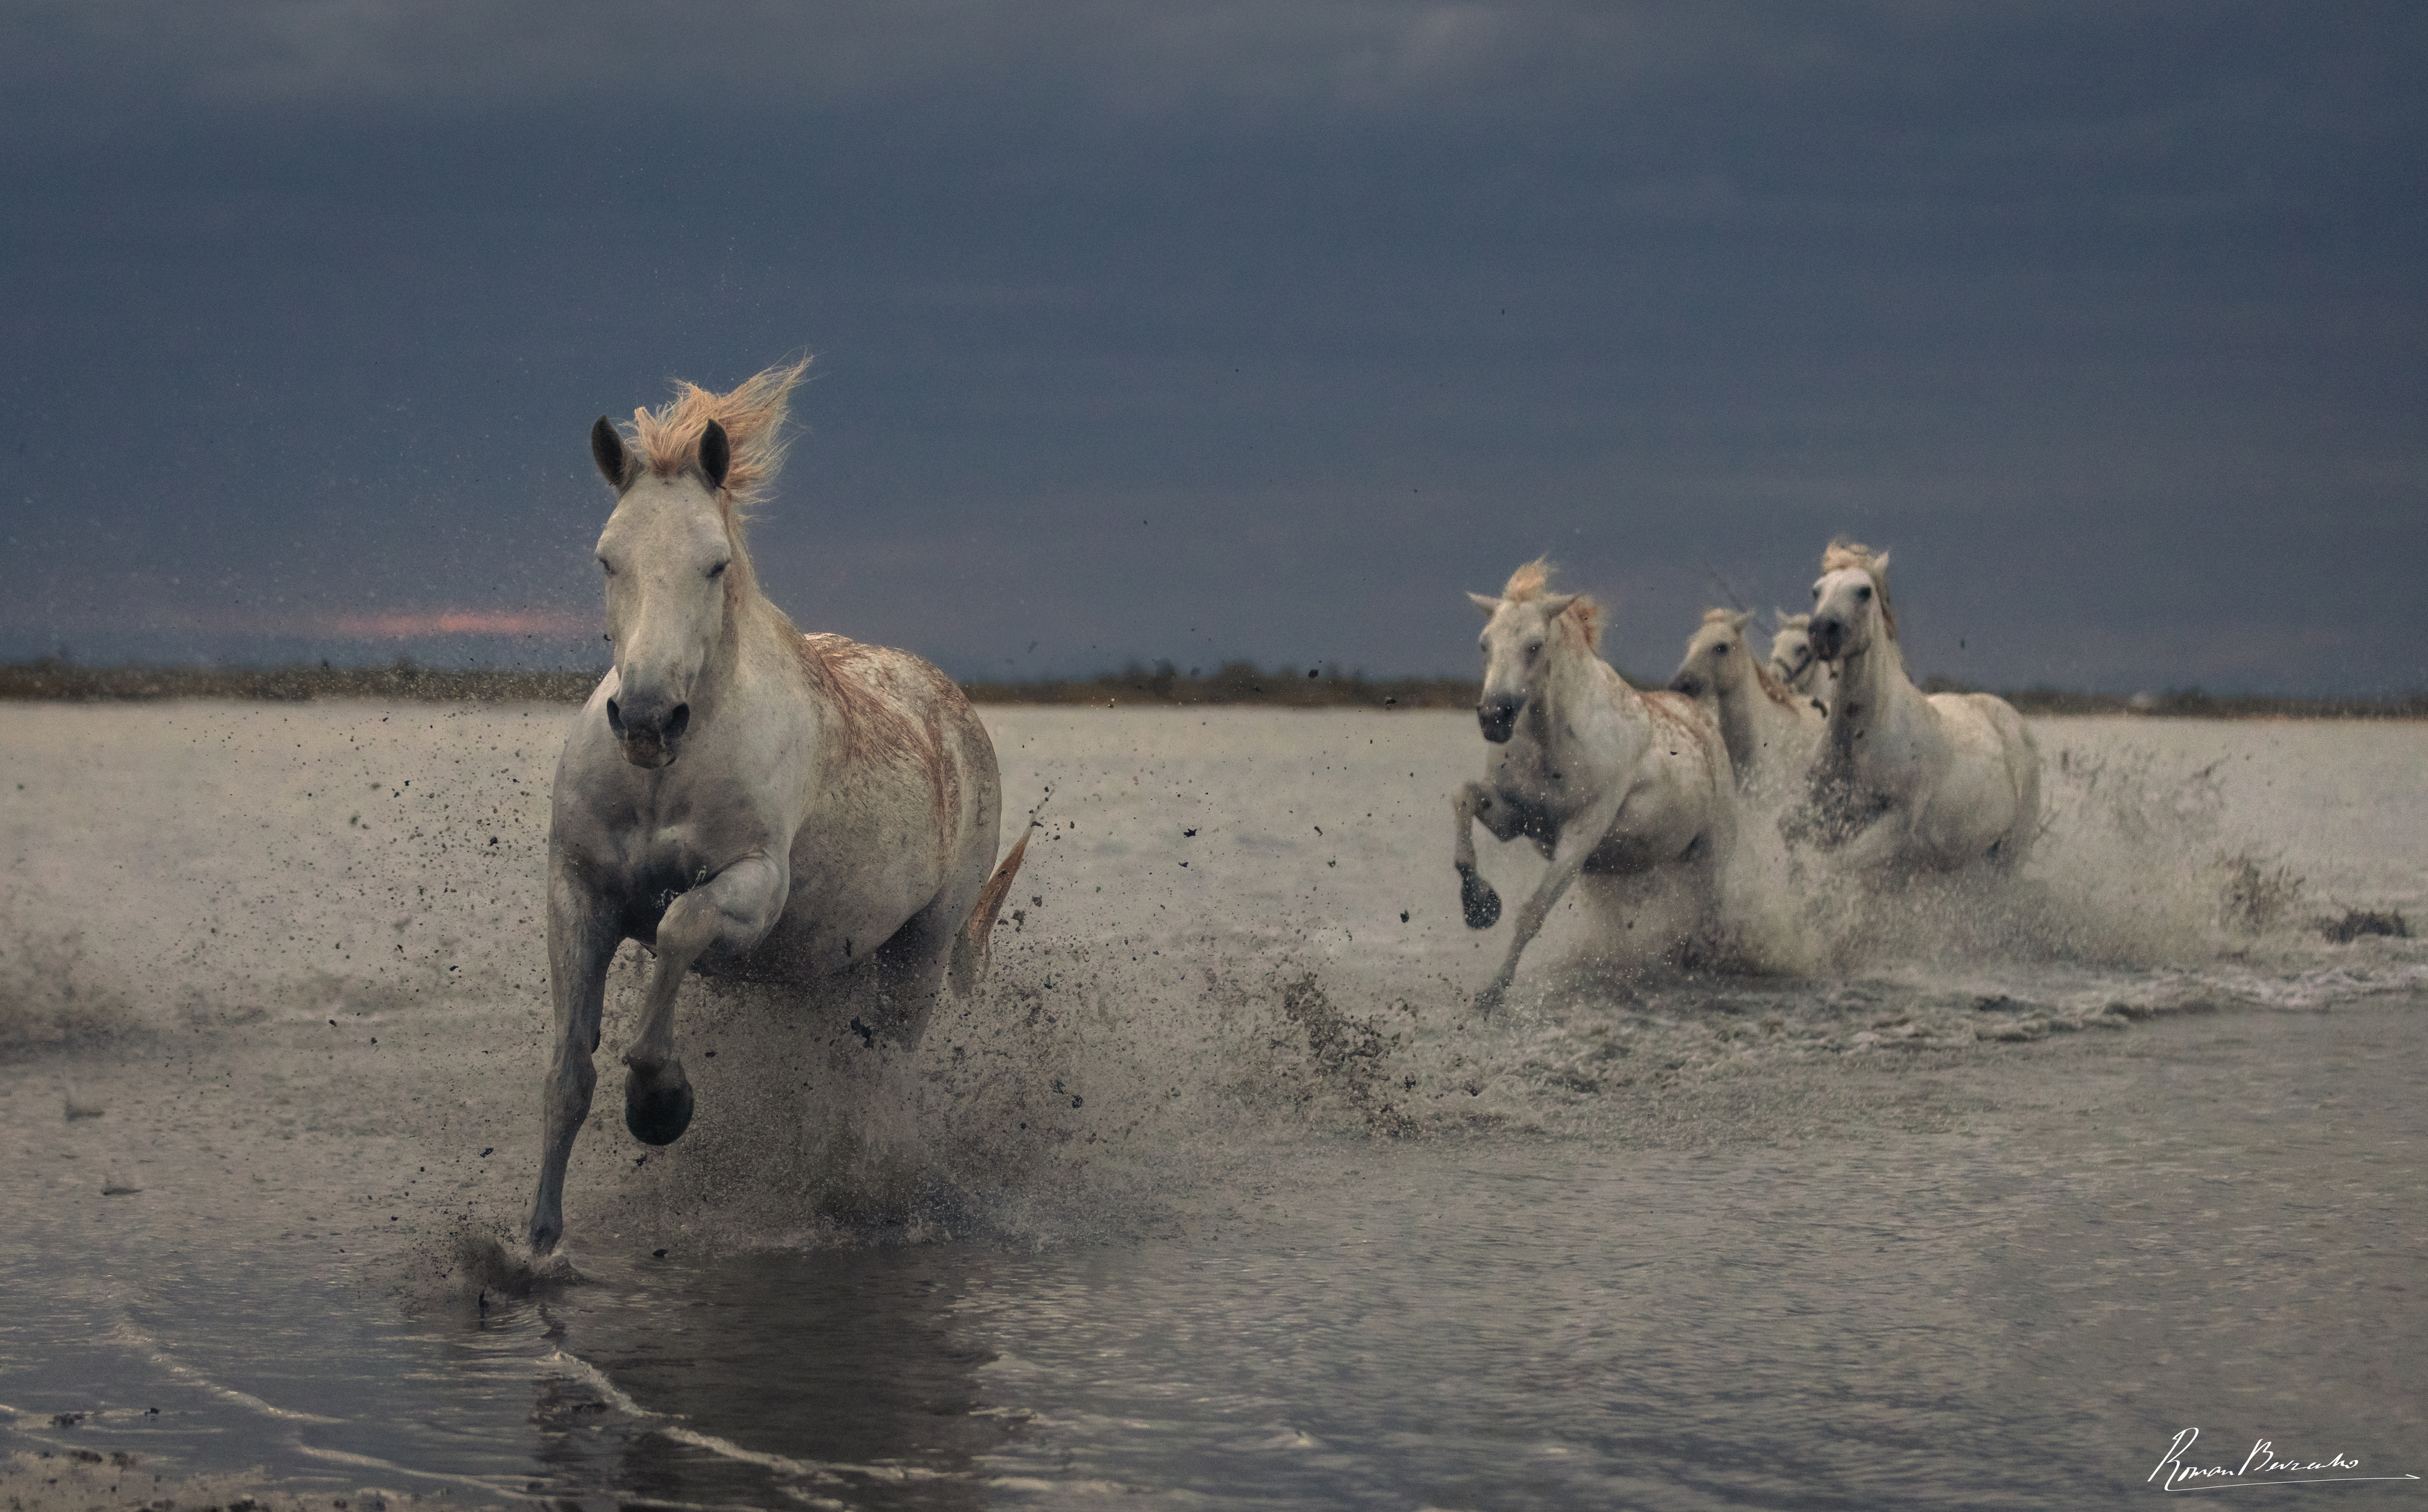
(1688, 753)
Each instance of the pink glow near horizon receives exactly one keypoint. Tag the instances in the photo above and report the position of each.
(414, 624)
(245, 620)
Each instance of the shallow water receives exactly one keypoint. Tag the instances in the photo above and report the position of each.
(1218, 1195)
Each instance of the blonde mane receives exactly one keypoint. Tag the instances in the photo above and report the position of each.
(667, 440)
(1580, 624)
(1841, 553)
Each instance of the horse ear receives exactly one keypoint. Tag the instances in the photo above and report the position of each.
(607, 450)
(1737, 621)
(1880, 564)
(1556, 604)
(716, 454)
(1486, 603)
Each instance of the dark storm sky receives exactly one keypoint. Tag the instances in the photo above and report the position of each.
(1209, 330)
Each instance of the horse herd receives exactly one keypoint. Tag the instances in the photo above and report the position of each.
(753, 802)
(1831, 740)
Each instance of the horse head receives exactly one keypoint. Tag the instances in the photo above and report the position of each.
(1791, 646)
(1516, 635)
(1717, 659)
(666, 550)
(1850, 603)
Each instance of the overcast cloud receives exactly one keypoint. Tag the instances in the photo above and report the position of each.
(1200, 331)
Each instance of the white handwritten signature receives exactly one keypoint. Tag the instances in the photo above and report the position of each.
(2261, 1466)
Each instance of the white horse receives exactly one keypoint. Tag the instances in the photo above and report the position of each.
(1902, 780)
(739, 796)
(1794, 664)
(1599, 777)
(1770, 731)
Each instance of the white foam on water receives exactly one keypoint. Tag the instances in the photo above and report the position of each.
(141, 1342)
(671, 1426)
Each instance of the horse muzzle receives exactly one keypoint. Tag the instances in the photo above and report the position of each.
(1499, 721)
(649, 744)
(1687, 684)
(1827, 639)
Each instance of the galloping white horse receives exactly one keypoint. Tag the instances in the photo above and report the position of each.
(1794, 664)
(1599, 777)
(1770, 731)
(739, 796)
(1936, 782)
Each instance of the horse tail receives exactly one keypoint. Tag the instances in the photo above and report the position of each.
(972, 948)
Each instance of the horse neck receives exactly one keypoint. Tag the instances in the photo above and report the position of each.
(753, 627)
(1576, 678)
(1871, 685)
(1743, 708)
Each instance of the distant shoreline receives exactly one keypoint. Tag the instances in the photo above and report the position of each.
(1238, 683)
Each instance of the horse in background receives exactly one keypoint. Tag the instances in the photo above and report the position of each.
(1600, 777)
(1902, 780)
(1794, 664)
(739, 796)
(1770, 731)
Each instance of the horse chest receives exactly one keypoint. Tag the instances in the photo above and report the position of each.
(649, 855)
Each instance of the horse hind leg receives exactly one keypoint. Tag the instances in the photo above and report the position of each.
(2023, 759)
(908, 970)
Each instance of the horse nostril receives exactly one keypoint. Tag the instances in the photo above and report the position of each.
(679, 721)
(614, 718)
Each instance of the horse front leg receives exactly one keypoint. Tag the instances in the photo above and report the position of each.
(581, 941)
(1474, 801)
(733, 912)
(1576, 842)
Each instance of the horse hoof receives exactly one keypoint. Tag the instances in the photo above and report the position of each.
(1482, 905)
(657, 1115)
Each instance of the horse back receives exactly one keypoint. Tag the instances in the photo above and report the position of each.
(893, 729)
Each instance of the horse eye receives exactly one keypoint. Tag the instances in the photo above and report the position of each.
(1862, 594)
(1533, 648)
(1721, 650)
(606, 567)
(718, 570)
